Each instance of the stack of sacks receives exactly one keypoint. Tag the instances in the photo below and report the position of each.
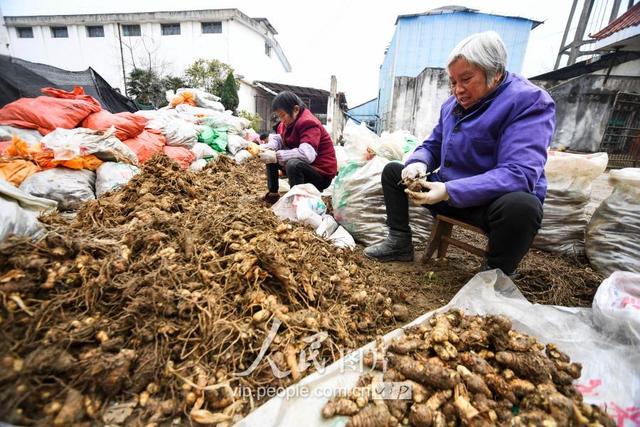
(60, 109)
(195, 98)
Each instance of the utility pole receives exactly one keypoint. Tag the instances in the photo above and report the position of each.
(124, 74)
(573, 48)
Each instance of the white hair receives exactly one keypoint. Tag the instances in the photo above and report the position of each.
(485, 50)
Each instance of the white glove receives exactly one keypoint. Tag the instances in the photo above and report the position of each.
(268, 156)
(414, 170)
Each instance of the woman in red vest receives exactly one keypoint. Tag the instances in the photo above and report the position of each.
(301, 147)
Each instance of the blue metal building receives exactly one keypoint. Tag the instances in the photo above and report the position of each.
(366, 112)
(426, 39)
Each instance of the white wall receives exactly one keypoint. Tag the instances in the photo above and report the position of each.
(4, 37)
(416, 102)
(237, 45)
(247, 97)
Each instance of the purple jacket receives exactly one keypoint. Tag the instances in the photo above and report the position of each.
(498, 147)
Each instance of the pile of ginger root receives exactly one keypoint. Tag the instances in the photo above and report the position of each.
(466, 370)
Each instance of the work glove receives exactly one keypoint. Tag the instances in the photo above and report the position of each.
(436, 192)
(414, 170)
(268, 156)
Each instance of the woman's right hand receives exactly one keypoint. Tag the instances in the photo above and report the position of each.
(414, 170)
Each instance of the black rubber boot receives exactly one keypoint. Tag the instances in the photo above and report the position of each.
(396, 247)
(271, 198)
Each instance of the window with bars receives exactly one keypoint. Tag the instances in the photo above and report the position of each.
(25, 32)
(59, 32)
(95, 31)
(211, 27)
(131, 30)
(170, 29)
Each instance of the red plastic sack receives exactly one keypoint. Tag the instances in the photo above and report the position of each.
(182, 155)
(145, 145)
(127, 125)
(60, 109)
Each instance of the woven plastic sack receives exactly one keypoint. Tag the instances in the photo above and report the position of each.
(30, 136)
(111, 175)
(183, 156)
(147, 144)
(300, 203)
(194, 97)
(127, 125)
(569, 178)
(616, 306)
(19, 212)
(236, 143)
(180, 133)
(17, 170)
(221, 140)
(60, 109)
(71, 143)
(359, 141)
(198, 165)
(242, 156)
(235, 125)
(358, 204)
(202, 150)
(70, 188)
(206, 134)
(613, 234)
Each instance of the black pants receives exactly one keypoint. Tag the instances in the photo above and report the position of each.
(511, 221)
(298, 172)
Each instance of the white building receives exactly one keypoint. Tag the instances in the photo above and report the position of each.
(113, 44)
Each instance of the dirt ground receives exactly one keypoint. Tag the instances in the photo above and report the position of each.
(543, 278)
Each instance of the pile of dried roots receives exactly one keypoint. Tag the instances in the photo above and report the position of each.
(146, 306)
(467, 370)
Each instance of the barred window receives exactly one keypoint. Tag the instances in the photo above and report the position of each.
(211, 27)
(95, 31)
(25, 32)
(131, 30)
(59, 32)
(170, 29)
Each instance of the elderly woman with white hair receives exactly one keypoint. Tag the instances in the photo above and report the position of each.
(484, 159)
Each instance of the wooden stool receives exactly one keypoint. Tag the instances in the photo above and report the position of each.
(440, 238)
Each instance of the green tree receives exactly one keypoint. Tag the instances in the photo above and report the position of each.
(229, 93)
(173, 83)
(255, 119)
(209, 75)
(145, 86)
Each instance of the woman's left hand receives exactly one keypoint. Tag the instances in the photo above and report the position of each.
(437, 193)
(268, 156)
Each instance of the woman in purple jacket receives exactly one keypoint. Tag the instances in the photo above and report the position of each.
(484, 160)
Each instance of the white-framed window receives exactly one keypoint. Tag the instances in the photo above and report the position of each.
(25, 32)
(59, 32)
(95, 31)
(211, 27)
(170, 29)
(131, 30)
(267, 49)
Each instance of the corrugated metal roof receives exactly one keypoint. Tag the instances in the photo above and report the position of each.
(458, 9)
(629, 19)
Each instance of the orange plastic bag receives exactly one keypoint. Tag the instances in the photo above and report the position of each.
(16, 171)
(182, 155)
(60, 109)
(128, 125)
(42, 157)
(148, 143)
(183, 98)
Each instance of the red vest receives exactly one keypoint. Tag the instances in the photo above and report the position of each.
(308, 129)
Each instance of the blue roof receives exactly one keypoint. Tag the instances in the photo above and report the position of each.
(454, 9)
